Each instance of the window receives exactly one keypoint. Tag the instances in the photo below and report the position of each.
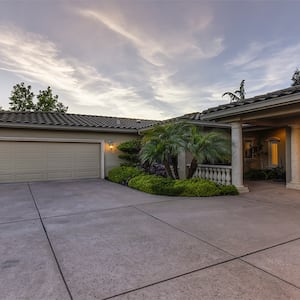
(273, 152)
(248, 148)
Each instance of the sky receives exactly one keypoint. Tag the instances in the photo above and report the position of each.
(150, 59)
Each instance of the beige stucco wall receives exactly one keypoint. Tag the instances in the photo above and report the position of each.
(110, 156)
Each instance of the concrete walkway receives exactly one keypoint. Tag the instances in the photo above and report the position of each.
(98, 240)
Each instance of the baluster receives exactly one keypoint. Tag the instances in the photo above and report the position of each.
(228, 176)
(202, 172)
(219, 172)
(223, 177)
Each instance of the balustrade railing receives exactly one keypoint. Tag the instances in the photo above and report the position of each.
(219, 174)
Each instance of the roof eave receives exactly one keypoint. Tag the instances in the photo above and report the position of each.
(67, 128)
(252, 107)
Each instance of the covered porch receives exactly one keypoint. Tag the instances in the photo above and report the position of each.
(276, 113)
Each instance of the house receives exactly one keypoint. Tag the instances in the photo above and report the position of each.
(50, 146)
(265, 133)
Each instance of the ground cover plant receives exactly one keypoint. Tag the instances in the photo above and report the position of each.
(158, 185)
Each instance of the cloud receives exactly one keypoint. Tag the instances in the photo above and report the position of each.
(159, 48)
(163, 53)
(253, 51)
(143, 76)
(37, 59)
(270, 64)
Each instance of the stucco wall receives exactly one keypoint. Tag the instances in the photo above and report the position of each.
(110, 157)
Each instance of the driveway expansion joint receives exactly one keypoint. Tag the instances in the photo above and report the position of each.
(239, 258)
(271, 274)
(171, 278)
(50, 244)
(96, 210)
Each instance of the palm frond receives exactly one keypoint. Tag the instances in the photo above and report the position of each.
(232, 96)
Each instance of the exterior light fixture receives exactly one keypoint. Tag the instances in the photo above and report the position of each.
(110, 144)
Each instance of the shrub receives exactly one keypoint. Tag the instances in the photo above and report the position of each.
(228, 190)
(130, 153)
(153, 184)
(265, 174)
(195, 187)
(198, 187)
(123, 174)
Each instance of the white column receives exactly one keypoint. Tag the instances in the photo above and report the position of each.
(237, 157)
(295, 158)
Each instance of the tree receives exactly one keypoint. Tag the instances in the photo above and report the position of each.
(209, 147)
(296, 78)
(130, 151)
(238, 95)
(48, 102)
(162, 144)
(21, 98)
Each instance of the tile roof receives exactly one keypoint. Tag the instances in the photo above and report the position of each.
(264, 97)
(75, 121)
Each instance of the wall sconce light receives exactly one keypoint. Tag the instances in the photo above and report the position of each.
(110, 144)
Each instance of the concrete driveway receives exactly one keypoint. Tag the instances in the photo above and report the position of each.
(97, 240)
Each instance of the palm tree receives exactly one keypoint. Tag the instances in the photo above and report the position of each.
(296, 78)
(162, 144)
(238, 95)
(212, 147)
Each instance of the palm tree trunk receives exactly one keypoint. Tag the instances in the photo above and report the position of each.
(168, 169)
(193, 168)
(175, 167)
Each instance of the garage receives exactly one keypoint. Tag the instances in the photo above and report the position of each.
(39, 146)
(49, 160)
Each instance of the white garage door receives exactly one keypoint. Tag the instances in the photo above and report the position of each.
(33, 161)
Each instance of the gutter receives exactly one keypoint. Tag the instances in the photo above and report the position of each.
(67, 128)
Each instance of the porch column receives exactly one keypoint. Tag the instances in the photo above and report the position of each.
(237, 157)
(295, 158)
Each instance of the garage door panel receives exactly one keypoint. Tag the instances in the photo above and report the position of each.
(6, 177)
(30, 176)
(60, 175)
(33, 161)
(27, 165)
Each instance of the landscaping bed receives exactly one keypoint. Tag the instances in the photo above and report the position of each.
(158, 185)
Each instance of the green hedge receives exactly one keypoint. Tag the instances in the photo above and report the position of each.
(195, 187)
(198, 187)
(153, 184)
(123, 174)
